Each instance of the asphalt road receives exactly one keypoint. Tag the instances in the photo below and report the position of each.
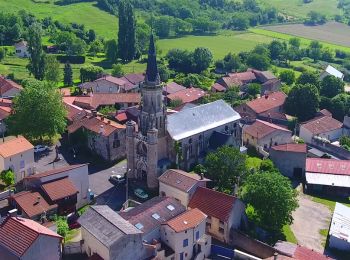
(45, 161)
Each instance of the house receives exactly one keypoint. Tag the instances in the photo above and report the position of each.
(263, 135)
(270, 86)
(171, 88)
(331, 71)
(5, 112)
(185, 235)
(22, 238)
(216, 87)
(109, 236)
(17, 154)
(323, 126)
(290, 159)
(225, 212)
(188, 95)
(206, 127)
(102, 137)
(133, 81)
(21, 49)
(290, 251)
(9, 88)
(180, 185)
(271, 103)
(118, 100)
(239, 79)
(78, 174)
(150, 215)
(104, 85)
(328, 176)
(32, 205)
(339, 232)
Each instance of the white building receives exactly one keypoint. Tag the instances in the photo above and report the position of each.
(22, 49)
(339, 232)
(331, 71)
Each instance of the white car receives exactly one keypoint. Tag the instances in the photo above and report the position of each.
(117, 179)
(40, 148)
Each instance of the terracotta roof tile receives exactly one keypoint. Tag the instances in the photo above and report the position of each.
(18, 234)
(212, 203)
(218, 87)
(117, 81)
(303, 253)
(244, 77)
(121, 117)
(260, 129)
(59, 189)
(328, 166)
(322, 124)
(296, 148)
(180, 179)
(32, 203)
(55, 171)
(7, 84)
(15, 146)
(267, 102)
(189, 219)
(187, 95)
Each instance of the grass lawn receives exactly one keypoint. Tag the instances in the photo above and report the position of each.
(289, 235)
(86, 13)
(304, 41)
(330, 202)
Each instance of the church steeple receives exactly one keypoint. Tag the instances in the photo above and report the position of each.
(152, 74)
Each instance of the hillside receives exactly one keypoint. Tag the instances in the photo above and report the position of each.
(88, 14)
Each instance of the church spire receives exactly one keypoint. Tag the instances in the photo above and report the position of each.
(152, 74)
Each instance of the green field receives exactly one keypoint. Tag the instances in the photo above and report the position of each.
(103, 23)
(298, 9)
(220, 44)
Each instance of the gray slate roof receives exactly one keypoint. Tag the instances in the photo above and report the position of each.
(195, 120)
(106, 225)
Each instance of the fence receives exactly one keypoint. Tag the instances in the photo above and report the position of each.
(72, 248)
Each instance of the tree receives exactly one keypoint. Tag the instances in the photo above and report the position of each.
(339, 106)
(36, 64)
(7, 177)
(162, 25)
(315, 50)
(142, 36)
(90, 73)
(52, 69)
(117, 70)
(258, 61)
(2, 54)
(272, 199)
(62, 226)
(254, 89)
(127, 31)
(309, 77)
(68, 75)
(303, 102)
(240, 22)
(38, 111)
(111, 49)
(331, 86)
(277, 49)
(202, 58)
(232, 62)
(226, 167)
(287, 76)
(295, 42)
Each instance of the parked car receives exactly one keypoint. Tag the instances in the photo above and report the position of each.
(72, 220)
(117, 179)
(140, 193)
(40, 148)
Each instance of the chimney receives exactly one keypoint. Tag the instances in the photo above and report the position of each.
(12, 213)
(201, 176)
(102, 129)
(275, 256)
(94, 112)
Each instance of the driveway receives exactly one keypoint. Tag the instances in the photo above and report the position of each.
(309, 219)
(45, 161)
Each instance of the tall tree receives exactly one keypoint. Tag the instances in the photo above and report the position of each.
(38, 111)
(127, 31)
(52, 69)
(111, 49)
(68, 75)
(331, 86)
(36, 64)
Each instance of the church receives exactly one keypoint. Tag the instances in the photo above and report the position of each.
(159, 141)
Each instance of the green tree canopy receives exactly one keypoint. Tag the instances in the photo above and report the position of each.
(309, 77)
(202, 58)
(68, 75)
(52, 69)
(272, 198)
(38, 111)
(288, 77)
(36, 64)
(331, 86)
(117, 70)
(7, 177)
(258, 61)
(127, 31)
(90, 73)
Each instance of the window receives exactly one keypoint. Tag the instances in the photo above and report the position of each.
(221, 230)
(182, 256)
(208, 225)
(156, 216)
(22, 164)
(221, 223)
(116, 143)
(226, 128)
(116, 135)
(97, 88)
(185, 242)
(110, 89)
(197, 235)
(170, 207)
(139, 226)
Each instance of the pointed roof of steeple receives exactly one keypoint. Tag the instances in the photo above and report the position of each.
(152, 74)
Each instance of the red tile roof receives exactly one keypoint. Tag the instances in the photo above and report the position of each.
(296, 148)
(260, 129)
(187, 220)
(32, 203)
(18, 234)
(218, 87)
(121, 117)
(7, 84)
(5, 108)
(208, 202)
(55, 171)
(267, 102)
(59, 189)
(15, 146)
(303, 253)
(244, 77)
(187, 95)
(325, 112)
(322, 124)
(180, 179)
(117, 81)
(172, 87)
(328, 166)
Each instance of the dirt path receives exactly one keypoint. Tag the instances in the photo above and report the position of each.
(309, 219)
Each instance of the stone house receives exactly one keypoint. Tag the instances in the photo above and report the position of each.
(108, 236)
(263, 135)
(104, 85)
(17, 154)
(225, 213)
(180, 185)
(22, 238)
(172, 87)
(133, 81)
(290, 159)
(185, 235)
(187, 95)
(9, 88)
(21, 49)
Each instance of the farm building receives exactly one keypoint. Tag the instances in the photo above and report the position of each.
(328, 176)
(22, 49)
(339, 232)
(331, 71)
